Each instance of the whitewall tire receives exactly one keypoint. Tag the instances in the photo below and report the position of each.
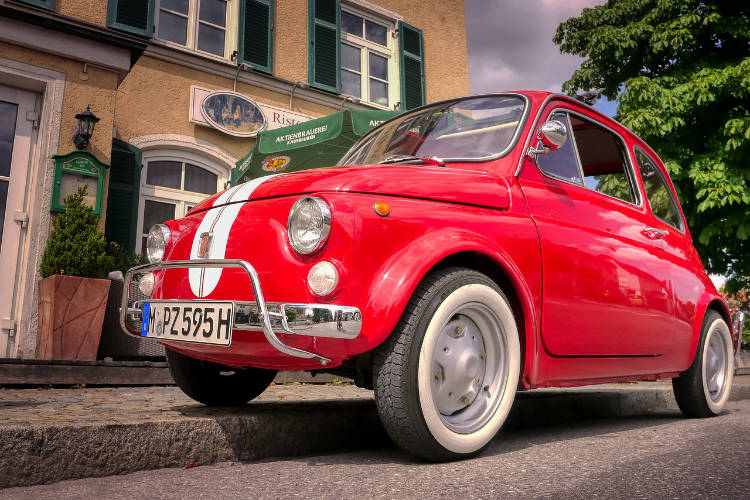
(446, 378)
(703, 389)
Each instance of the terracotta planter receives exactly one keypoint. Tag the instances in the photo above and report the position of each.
(71, 312)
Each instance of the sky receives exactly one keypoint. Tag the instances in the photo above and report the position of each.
(511, 48)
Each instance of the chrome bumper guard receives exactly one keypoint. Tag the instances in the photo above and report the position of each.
(317, 320)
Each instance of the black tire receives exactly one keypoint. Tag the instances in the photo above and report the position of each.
(217, 385)
(411, 405)
(703, 389)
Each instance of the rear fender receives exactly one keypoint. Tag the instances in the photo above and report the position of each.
(709, 301)
(399, 276)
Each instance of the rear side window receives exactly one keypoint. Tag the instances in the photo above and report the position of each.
(561, 163)
(603, 162)
(663, 205)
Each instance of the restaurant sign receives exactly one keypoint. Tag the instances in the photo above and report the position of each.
(236, 114)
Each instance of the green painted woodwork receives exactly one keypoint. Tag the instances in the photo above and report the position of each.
(411, 63)
(256, 29)
(79, 163)
(324, 45)
(133, 16)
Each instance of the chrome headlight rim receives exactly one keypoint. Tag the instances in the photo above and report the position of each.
(156, 242)
(325, 226)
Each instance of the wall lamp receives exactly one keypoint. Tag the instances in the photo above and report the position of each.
(86, 123)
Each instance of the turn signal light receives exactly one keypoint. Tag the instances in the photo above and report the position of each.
(381, 208)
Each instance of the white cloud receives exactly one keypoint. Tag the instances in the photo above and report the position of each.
(510, 43)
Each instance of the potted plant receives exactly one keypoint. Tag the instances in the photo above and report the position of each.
(72, 293)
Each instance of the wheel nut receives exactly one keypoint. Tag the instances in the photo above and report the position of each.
(484, 355)
(466, 400)
(460, 331)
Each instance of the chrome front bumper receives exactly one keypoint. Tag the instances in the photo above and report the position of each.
(317, 320)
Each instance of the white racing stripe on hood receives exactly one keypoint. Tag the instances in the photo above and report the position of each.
(218, 220)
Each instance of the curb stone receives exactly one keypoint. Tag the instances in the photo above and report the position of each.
(39, 454)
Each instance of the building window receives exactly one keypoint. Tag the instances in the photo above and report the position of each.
(197, 24)
(367, 59)
(172, 183)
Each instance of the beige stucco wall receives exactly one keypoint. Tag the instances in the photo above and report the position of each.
(155, 99)
(99, 91)
(90, 11)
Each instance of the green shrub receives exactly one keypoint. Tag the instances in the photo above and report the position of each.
(124, 260)
(75, 246)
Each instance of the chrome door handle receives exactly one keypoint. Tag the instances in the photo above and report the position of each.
(654, 233)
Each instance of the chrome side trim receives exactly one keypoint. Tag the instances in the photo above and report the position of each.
(260, 306)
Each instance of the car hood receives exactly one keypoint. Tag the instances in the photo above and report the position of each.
(453, 185)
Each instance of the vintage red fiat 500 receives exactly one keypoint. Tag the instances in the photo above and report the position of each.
(458, 252)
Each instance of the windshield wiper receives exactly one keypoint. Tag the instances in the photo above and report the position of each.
(432, 160)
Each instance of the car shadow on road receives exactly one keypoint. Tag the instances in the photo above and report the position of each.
(278, 429)
(294, 429)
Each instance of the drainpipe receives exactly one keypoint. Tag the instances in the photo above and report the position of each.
(291, 94)
(236, 75)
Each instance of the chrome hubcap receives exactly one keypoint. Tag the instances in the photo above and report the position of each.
(716, 366)
(468, 368)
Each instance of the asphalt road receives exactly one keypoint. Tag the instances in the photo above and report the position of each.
(657, 456)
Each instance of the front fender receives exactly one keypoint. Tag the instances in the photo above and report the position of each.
(400, 274)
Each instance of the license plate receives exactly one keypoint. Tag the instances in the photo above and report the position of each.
(202, 322)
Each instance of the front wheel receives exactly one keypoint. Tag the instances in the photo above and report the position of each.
(703, 389)
(217, 385)
(446, 378)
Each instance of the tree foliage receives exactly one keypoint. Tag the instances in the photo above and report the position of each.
(680, 70)
(76, 247)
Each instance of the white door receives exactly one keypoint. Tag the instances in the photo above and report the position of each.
(16, 107)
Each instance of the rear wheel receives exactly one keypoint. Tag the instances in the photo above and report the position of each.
(217, 385)
(446, 378)
(703, 389)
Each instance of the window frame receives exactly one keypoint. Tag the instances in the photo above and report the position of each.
(667, 185)
(629, 167)
(390, 52)
(178, 197)
(231, 29)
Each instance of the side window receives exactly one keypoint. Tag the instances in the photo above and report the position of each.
(603, 161)
(663, 205)
(562, 163)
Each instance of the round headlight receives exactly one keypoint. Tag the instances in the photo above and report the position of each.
(146, 284)
(158, 236)
(323, 278)
(309, 224)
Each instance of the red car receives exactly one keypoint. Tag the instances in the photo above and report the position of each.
(458, 253)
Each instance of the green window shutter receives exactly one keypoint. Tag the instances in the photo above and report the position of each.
(122, 195)
(411, 62)
(134, 16)
(256, 34)
(324, 41)
(45, 4)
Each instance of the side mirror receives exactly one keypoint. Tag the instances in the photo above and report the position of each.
(551, 136)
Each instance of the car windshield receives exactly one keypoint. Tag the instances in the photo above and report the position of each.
(473, 128)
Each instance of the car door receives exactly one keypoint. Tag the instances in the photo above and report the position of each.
(682, 260)
(605, 289)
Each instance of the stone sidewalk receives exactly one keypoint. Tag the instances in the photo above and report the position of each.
(48, 435)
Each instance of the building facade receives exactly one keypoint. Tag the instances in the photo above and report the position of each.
(180, 88)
